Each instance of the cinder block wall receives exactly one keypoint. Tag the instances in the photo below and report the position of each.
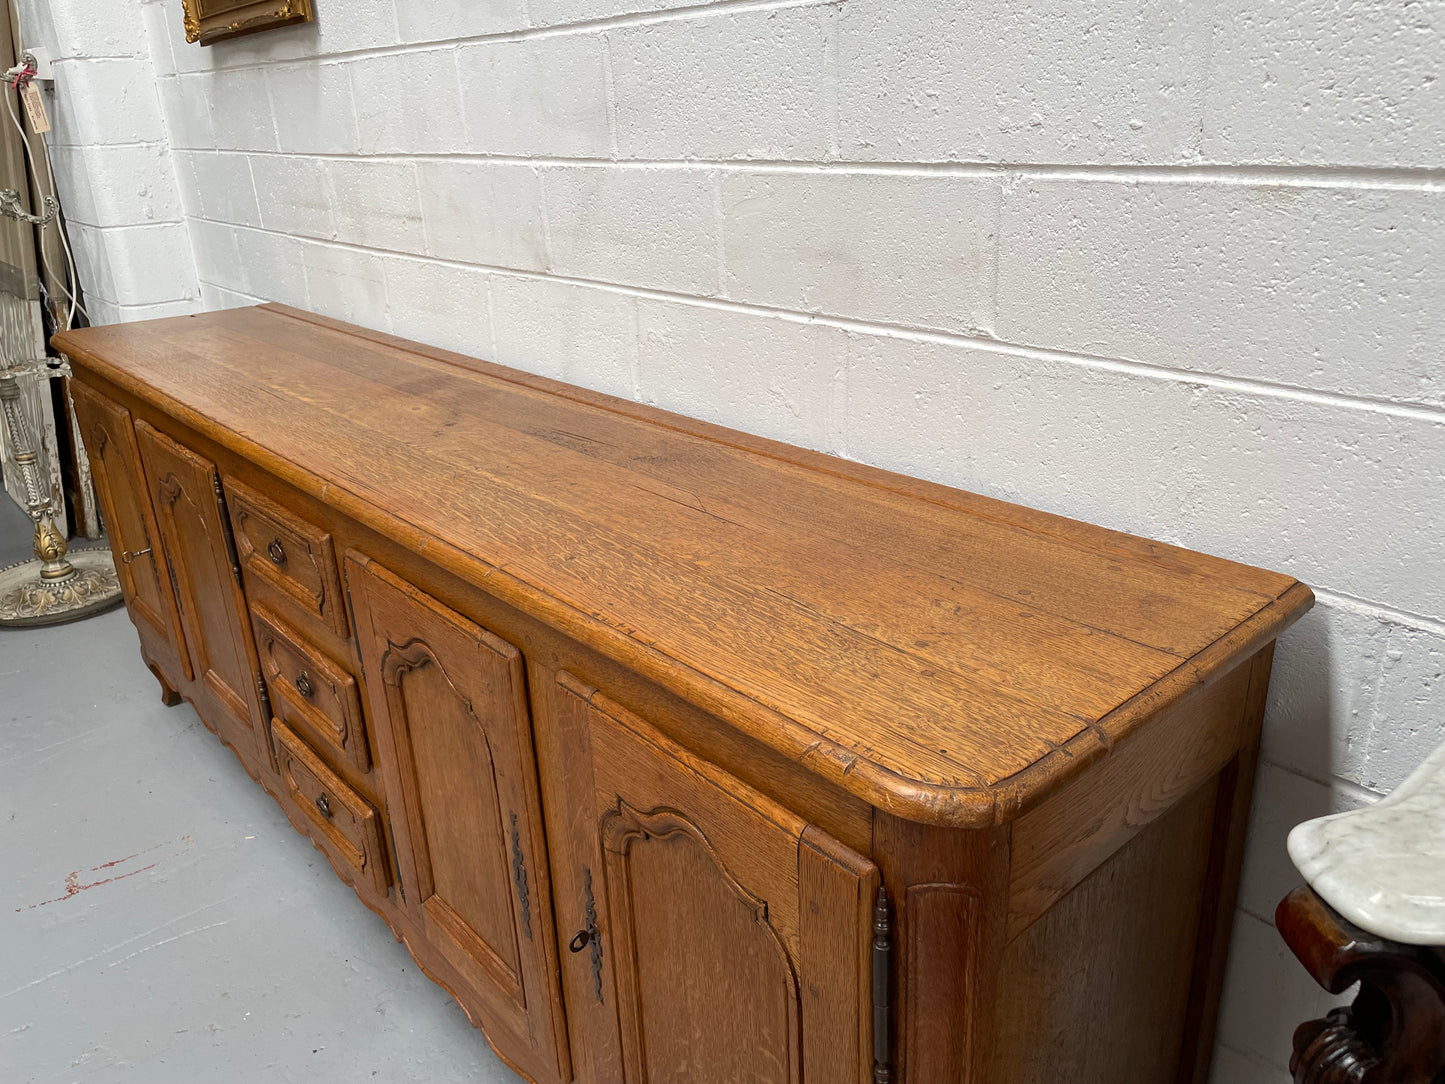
(1177, 269)
(111, 152)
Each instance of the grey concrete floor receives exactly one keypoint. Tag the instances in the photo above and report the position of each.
(160, 920)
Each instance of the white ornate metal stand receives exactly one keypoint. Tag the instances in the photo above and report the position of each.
(57, 586)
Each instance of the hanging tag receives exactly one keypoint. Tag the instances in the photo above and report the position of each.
(34, 108)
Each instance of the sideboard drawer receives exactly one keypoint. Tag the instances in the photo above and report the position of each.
(344, 822)
(316, 690)
(294, 556)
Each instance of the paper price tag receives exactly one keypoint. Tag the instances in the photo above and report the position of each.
(34, 107)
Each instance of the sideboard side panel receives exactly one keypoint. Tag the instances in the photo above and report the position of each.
(1060, 842)
(1095, 991)
(1221, 883)
(1128, 877)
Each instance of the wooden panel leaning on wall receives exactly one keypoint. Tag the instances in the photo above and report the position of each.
(678, 754)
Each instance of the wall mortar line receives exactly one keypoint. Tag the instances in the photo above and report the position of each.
(1354, 178)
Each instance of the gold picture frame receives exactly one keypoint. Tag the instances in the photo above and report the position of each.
(210, 21)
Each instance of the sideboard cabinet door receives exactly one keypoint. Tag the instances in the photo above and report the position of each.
(449, 705)
(130, 521)
(186, 493)
(727, 940)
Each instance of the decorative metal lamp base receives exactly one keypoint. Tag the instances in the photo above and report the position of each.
(57, 586)
(53, 588)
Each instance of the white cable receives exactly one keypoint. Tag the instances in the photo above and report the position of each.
(59, 280)
(64, 243)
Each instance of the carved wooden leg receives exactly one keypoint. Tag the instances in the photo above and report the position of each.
(169, 697)
(1394, 1032)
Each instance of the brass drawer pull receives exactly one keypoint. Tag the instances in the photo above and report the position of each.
(130, 555)
(276, 552)
(323, 803)
(303, 685)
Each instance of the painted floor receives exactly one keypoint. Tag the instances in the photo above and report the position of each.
(160, 920)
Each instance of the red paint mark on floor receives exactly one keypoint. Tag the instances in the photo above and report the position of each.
(107, 865)
(73, 886)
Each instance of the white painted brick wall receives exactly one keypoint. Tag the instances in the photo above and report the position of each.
(537, 96)
(105, 101)
(187, 112)
(224, 187)
(133, 185)
(314, 109)
(912, 250)
(294, 194)
(1001, 81)
(771, 376)
(597, 343)
(438, 20)
(1333, 84)
(407, 102)
(111, 151)
(750, 84)
(651, 228)
(241, 113)
(483, 212)
(345, 282)
(377, 204)
(1325, 286)
(450, 308)
(274, 266)
(218, 256)
(558, 12)
(1171, 268)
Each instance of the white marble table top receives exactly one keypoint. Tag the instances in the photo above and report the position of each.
(1383, 867)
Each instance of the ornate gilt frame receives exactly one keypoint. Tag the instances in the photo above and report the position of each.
(210, 21)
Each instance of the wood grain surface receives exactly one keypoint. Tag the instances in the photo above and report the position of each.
(946, 657)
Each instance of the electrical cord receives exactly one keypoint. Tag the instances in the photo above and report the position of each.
(16, 77)
(64, 246)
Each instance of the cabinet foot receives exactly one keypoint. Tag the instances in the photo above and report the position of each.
(169, 697)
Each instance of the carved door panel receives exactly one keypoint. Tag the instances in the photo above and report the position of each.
(726, 939)
(109, 437)
(185, 490)
(449, 704)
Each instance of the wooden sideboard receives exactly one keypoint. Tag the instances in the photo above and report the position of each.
(680, 755)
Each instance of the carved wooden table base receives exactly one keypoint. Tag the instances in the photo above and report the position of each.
(1394, 1032)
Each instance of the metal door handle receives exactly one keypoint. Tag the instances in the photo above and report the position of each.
(276, 552)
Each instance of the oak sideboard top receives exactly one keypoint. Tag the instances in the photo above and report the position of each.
(944, 656)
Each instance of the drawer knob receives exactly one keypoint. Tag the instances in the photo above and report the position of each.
(323, 803)
(276, 552)
(579, 941)
(130, 555)
(303, 685)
